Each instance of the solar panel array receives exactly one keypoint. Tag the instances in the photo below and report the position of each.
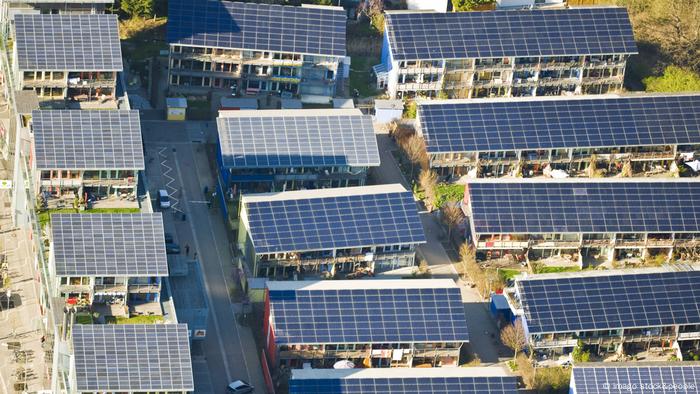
(298, 225)
(549, 124)
(602, 302)
(531, 33)
(87, 140)
(260, 27)
(584, 207)
(297, 141)
(143, 357)
(656, 379)
(406, 385)
(109, 244)
(88, 42)
(328, 316)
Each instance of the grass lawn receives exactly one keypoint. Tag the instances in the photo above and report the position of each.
(44, 217)
(143, 37)
(448, 192)
(360, 72)
(198, 110)
(551, 270)
(146, 319)
(83, 318)
(508, 274)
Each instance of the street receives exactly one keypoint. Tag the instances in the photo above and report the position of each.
(177, 161)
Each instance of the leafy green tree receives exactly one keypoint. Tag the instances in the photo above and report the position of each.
(468, 5)
(410, 110)
(137, 7)
(579, 355)
(675, 79)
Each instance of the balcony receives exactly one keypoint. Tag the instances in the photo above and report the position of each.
(489, 82)
(145, 288)
(596, 242)
(604, 64)
(554, 243)
(90, 83)
(660, 243)
(48, 83)
(286, 78)
(602, 79)
(499, 66)
(571, 342)
(526, 66)
(112, 288)
(559, 65)
(688, 336)
(125, 182)
(639, 156)
(497, 244)
(422, 70)
(287, 62)
(417, 86)
(666, 336)
(629, 243)
(556, 81)
(62, 182)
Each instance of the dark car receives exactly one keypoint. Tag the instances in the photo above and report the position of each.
(239, 387)
(169, 238)
(171, 248)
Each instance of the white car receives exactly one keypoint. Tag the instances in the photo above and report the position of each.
(239, 387)
(163, 199)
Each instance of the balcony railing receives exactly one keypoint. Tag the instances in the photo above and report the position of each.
(684, 336)
(630, 242)
(660, 243)
(555, 342)
(554, 243)
(497, 244)
(421, 70)
(113, 288)
(52, 83)
(610, 64)
(558, 65)
(152, 288)
(499, 66)
(597, 242)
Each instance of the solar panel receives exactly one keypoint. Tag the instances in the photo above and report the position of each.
(530, 33)
(88, 42)
(613, 206)
(403, 381)
(609, 301)
(143, 357)
(260, 27)
(367, 313)
(562, 123)
(649, 379)
(287, 139)
(109, 244)
(87, 140)
(350, 218)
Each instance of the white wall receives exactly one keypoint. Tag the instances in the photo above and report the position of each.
(435, 5)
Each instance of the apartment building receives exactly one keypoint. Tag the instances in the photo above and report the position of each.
(561, 137)
(111, 264)
(589, 378)
(330, 233)
(492, 380)
(281, 150)
(601, 311)
(583, 223)
(87, 158)
(130, 358)
(67, 57)
(369, 323)
(56, 7)
(509, 53)
(256, 48)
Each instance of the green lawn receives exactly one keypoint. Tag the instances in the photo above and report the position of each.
(360, 73)
(83, 318)
(551, 270)
(508, 274)
(448, 192)
(44, 217)
(146, 319)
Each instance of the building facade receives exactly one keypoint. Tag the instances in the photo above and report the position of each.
(583, 223)
(600, 311)
(292, 51)
(342, 233)
(601, 136)
(368, 323)
(61, 69)
(506, 53)
(86, 158)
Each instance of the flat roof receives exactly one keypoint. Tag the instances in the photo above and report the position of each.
(260, 27)
(366, 284)
(388, 104)
(451, 126)
(365, 373)
(584, 206)
(87, 140)
(297, 138)
(26, 101)
(609, 301)
(330, 219)
(529, 33)
(85, 42)
(102, 244)
(400, 311)
(132, 357)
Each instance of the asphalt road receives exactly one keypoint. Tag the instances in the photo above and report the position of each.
(176, 160)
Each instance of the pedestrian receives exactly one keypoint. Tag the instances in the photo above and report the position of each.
(187, 250)
(195, 256)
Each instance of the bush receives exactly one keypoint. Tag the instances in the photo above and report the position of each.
(674, 79)
(552, 380)
(410, 110)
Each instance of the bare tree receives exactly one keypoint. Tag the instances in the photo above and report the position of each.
(415, 151)
(526, 369)
(513, 336)
(452, 216)
(472, 270)
(626, 169)
(428, 182)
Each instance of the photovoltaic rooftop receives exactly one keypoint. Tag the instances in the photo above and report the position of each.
(132, 358)
(529, 33)
(651, 379)
(88, 42)
(259, 27)
(583, 206)
(108, 244)
(367, 311)
(326, 219)
(297, 138)
(87, 140)
(529, 124)
(492, 380)
(609, 300)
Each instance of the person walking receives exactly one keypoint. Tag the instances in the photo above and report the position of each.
(187, 250)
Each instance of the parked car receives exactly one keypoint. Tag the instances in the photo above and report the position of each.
(239, 387)
(171, 248)
(169, 238)
(163, 199)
